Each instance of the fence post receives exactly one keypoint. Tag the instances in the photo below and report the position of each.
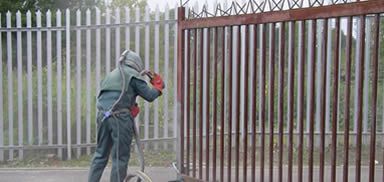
(19, 86)
(127, 29)
(175, 72)
(29, 79)
(117, 35)
(68, 81)
(98, 56)
(146, 62)
(137, 50)
(166, 74)
(49, 78)
(78, 83)
(59, 87)
(39, 80)
(1, 99)
(10, 85)
(88, 78)
(156, 63)
(107, 41)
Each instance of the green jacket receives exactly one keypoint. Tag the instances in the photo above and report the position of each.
(110, 89)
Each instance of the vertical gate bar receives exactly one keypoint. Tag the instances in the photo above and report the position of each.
(318, 86)
(246, 76)
(300, 96)
(68, 81)
(356, 57)
(254, 99)
(311, 98)
(146, 65)
(107, 41)
(214, 124)
(367, 71)
(323, 83)
(339, 92)
(328, 81)
(222, 122)
(194, 104)
(230, 58)
(188, 50)
(238, 85)
(375, 64)
(59, 86)
(359, 93)
(281, 98)
(88, 78)
(271, 95)
(180, 86)
(347, 98)
(207, 124)
(263, 35)
(20, 86)
(335, 103)
(78, 83)
(309, 70)
(2, 94)
(29, 79)
(291, 90)
(39, 80)
(201, 49)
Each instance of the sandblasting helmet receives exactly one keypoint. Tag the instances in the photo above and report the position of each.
(132, 60)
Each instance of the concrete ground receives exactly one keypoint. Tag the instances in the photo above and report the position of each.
(163, 174)
(74, 174)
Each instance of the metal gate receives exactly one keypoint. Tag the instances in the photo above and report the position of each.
(280, 90)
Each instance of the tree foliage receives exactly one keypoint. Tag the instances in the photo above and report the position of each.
(44, 5)
(128, 3)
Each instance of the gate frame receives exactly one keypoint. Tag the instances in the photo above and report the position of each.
(347, 9)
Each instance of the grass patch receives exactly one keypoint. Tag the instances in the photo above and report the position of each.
(152, 158)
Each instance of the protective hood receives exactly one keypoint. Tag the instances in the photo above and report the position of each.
(133, 60)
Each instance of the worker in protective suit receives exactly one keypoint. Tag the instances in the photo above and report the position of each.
(117, 109)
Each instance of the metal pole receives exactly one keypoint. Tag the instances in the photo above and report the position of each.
(180, 89)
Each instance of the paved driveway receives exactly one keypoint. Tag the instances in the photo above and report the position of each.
(160, 174)
(73, 174)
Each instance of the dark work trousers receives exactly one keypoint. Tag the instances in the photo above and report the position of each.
(114, 136)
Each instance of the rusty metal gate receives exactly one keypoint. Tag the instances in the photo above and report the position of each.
(280, 90)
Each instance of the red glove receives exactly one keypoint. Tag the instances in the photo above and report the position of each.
(157, 82)
(135, 110)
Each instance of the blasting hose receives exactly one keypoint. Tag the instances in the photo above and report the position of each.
(140, 175)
